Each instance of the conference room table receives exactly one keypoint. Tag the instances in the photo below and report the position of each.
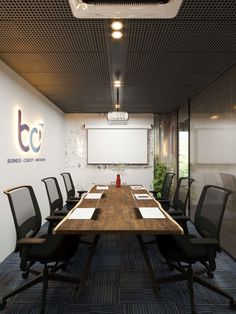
(117, 211)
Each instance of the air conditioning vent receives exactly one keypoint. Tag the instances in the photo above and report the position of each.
(125, 9)
(125, 2)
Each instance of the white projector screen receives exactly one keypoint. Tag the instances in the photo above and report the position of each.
(117, 146)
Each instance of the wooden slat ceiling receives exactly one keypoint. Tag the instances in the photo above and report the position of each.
(161, 62)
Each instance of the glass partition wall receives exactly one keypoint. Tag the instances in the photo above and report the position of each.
(200, 141)
(165, 133)
(172, 140)
(213, 147)
(183, 141)
(166, 140)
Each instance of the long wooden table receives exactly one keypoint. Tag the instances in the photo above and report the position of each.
(117, 211)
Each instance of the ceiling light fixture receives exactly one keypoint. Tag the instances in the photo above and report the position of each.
(116, 26)
(117, 116)
(117, 107)
(117, 83)
(116, 35)
(215, 117)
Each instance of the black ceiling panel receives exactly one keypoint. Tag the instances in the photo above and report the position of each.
(161, 62)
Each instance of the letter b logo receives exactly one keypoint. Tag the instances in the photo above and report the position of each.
(29, 138)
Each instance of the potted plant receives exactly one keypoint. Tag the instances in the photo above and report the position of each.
(160, 170)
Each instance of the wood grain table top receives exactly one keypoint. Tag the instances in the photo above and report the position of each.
(117, 211)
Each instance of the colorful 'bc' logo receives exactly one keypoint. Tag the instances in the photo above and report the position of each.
(32, 136)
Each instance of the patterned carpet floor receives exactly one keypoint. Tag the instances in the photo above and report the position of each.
(118, 283)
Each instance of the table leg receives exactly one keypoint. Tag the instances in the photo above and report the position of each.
(88, 263)
(149, 265)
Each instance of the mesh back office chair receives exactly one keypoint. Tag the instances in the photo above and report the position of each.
(165, 190)
(166, 185)
(70, 188)
(56, 204)
(180, 199)
(53, 251)
(165, 194)
(189, 249)
(55, 197)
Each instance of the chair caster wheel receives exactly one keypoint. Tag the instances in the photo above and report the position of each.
(210, 275)
(25, 275)
(232, 304)
(2, 304)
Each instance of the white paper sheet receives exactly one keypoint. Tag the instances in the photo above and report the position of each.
(137, 187)
(82, 213)
(143, 196)
(151, 212)
(93, 196)
(101, 187)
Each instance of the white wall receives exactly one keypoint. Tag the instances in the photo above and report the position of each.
(16, 93)
(76, 154)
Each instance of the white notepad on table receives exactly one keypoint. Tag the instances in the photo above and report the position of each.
(143, 197)
(102, 187)
(151, 212)
(93, 196)
(137, 187)
(82, 213)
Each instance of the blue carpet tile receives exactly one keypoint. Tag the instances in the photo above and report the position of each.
(118, 283)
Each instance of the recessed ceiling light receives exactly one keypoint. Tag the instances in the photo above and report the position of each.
(117, 26)
(116, 35)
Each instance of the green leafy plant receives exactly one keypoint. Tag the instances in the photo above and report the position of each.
(160, 170)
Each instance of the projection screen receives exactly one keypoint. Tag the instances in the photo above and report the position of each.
(117, 146)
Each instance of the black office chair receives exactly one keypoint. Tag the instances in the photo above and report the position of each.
(70, 188)
(52, 251)
(180, 199)
(165, 189)
(189, 249)
(55, 197)
(57, 208)
(56, 202)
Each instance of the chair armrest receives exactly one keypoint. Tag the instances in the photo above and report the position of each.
(163, 200)
(205, 241)
(153, 192)
(174, 213)
(54, 218)
(58, 213)
(25, 244)
(72, 201)
(31, 241)
(53, 221)
(81, 192)
(182, 218)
